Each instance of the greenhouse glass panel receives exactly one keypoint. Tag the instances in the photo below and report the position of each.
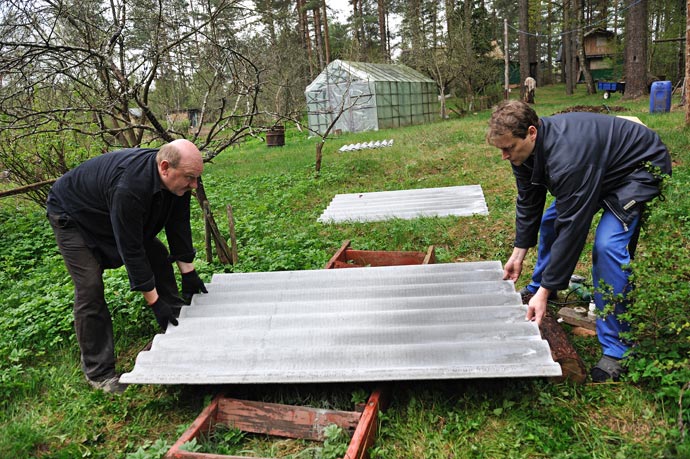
(358, 96)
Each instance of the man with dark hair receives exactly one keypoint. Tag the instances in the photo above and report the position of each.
(106, 213)
(588, 162)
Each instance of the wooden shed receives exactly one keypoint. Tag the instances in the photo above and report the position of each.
(600, 53)
(191, 115)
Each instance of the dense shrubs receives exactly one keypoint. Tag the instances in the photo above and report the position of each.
(659, 313)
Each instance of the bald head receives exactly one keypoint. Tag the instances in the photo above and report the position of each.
(180, 165)
(176, 150)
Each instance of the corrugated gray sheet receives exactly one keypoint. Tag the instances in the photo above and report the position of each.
(443, 321)
(406, 204)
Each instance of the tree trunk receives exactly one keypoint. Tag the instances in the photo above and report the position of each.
(565, 53)
(383, 30)
(523, 45)
(414, 12)
(636, 50)
(533, 43)
(584, 64)
(548, 77)
(450, 27)
(443, 110)
(358, 23)
(304, 34)
(318, 37)
(562, 351)
(319, 156)
(687, 65)
(326, 36)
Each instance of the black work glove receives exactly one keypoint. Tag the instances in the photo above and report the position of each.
(164, 313)
(191, 284)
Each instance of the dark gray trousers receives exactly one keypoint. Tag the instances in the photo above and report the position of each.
(92, 321)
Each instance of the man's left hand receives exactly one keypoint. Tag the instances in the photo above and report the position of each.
(191, 284)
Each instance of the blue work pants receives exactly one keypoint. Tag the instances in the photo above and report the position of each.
(611, 255)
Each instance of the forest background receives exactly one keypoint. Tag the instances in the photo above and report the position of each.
(79, 79)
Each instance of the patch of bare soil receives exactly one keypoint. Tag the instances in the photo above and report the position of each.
(593, 109)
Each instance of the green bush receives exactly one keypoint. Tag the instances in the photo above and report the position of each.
(659, 312)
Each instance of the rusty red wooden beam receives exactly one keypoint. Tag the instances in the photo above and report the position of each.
(365, 434)
(284, 421)
(346, 257)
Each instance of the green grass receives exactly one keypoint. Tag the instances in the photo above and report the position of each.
(48, 411)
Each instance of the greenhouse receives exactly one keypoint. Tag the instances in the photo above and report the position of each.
(366, 97)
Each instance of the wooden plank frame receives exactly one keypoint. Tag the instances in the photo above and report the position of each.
(285, 421)
(302, 422)
(346, 257)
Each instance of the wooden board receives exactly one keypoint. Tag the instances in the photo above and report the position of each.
(572, 317)
(365, 434)
(285, 421)
(346, 257)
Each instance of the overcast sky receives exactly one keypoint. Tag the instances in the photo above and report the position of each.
(342, 9)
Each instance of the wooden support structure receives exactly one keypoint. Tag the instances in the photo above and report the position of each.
(574, 317)
(295, 421)
(309, 423)
(562, 351)
(284, 421)
(233, 237)
(346, 257)
(365, 434)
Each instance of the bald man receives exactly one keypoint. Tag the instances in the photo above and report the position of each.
(107, 212)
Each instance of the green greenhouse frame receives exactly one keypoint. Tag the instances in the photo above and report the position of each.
(361, 96)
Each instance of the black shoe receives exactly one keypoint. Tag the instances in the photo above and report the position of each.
(607, 369)
(526, 295)
(111, 385)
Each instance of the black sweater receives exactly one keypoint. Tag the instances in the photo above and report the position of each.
(118, 202)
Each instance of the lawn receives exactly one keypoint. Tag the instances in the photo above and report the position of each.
(48, 410)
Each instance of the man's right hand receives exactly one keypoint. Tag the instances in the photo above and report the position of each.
(536, 309)
(164, 313)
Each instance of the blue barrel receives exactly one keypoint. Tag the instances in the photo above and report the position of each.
(660, 97)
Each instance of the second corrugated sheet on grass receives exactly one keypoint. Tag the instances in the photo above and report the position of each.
(460, 201)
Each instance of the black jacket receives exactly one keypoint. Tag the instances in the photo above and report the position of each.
(586, 161)
(118, 202)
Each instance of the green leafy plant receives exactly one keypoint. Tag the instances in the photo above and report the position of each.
(222, 440)
(359, 396)
(192, 446)
(335, 442)
(155, 450)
